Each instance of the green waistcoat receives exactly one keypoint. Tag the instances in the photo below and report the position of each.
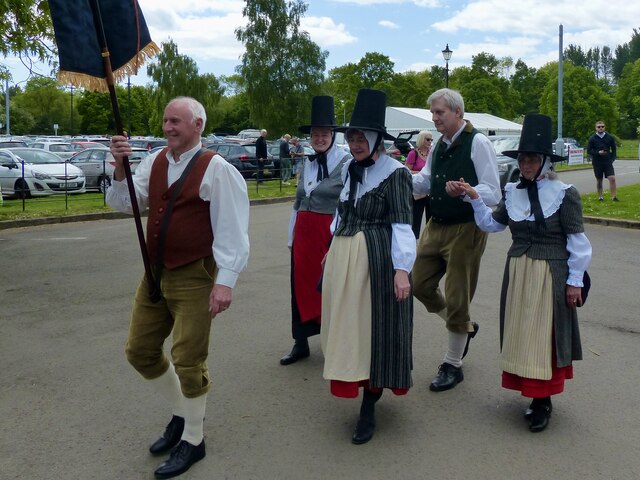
(447, 164)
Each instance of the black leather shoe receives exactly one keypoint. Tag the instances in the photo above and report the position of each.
(448, 377)
(539, 418)
(299, 351)
(169, 438)
(470, 335)
(181, 459)
(364, 431)
(528, 413)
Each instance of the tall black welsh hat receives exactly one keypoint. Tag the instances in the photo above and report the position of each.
(535, 138)
(369, 113)
(322, 113)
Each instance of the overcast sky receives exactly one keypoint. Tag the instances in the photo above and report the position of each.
(410, 32)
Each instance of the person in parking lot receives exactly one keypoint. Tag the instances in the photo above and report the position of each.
(602, 149)
(205, 249)
(544, 274)
(415, 162)
(367, 308)
(309, 234)
(452, 244)
(285, 159)
(261, 154)
(297, 156)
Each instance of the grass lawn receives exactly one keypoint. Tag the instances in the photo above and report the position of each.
(54, 206)
(628, 149)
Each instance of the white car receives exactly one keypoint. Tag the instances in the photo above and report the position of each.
(62, 149)
(27, 172)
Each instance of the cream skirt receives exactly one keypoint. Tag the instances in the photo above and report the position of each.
(345, 333)
(528, 319)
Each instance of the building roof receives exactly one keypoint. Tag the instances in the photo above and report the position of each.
(400, 119)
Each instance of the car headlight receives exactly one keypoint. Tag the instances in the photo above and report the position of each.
(503, 167)
(41, 176)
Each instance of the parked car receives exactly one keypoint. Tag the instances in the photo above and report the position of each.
(98, 165)
(62, 149)
(507, 167)
(27, 172)
(148, 143)
(82, 145)
(243, 157)
(12, 143)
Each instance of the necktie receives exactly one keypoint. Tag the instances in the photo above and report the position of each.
(323, 171)
(356, 172)
(532, 192)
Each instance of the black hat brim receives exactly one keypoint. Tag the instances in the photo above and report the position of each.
(386, 135)
(307, 128)
(514, 154)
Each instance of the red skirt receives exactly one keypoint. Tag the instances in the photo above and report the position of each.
(533, 388)
(351, 389)
(311, 237)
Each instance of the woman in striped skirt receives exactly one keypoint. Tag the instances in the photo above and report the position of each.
(543, 275)
(367, 305)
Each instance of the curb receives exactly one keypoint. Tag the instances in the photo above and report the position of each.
(88, 217)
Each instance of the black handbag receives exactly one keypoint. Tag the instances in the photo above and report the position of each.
(586, 282)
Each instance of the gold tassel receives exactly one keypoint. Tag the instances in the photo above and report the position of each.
(98, 84)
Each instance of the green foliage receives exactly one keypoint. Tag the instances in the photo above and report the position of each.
(281, 67)
(25, 30)
(626, 53)
(177, 75)
(97, 116)
(527, 84)
(583, 102)
(628, 97)
(626, 209)
(46, 102)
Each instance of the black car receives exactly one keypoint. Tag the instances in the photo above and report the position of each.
(243, 157)
(507, 167)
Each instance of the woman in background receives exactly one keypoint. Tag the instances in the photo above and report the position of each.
(416, 160)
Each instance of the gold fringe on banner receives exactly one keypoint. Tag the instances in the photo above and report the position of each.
(99, 84)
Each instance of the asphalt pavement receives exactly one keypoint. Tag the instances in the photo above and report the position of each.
(72, 408)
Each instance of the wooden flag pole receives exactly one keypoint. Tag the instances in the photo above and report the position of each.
(154, 292)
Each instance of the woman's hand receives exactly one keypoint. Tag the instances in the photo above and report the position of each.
(574, 296)
(459, 188)
(401, 285)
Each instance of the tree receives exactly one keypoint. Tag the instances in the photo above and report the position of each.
(25, 30)
(47, 103)
(628, 98)
(527, 84)
(177, 75)
(626, 53)
(281, 66)
(95, 109)
(583, 101)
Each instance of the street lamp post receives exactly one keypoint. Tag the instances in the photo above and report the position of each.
(446, 54)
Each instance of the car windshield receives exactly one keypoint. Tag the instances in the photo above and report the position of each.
(37, 156)
(505, 143)
(251, 150)
(61, 147)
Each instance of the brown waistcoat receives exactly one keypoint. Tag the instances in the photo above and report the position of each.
(189, 236)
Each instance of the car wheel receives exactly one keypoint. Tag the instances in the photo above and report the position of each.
(21, 189)
(103, 184)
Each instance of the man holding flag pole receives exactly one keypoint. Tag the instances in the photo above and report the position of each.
(197, 232)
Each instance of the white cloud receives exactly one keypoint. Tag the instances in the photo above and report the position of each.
(388, 24)
(326, 33)
(418, 3)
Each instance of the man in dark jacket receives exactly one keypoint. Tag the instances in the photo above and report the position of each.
(602, 149)
(261, 153)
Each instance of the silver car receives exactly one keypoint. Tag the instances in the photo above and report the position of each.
(98, 165)
(27, 172)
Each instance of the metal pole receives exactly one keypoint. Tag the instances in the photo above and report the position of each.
(7, 110)
(446, 68)
(71, 127)
(559, 141)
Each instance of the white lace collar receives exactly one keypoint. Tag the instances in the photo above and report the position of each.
(372, 177)
(334, 155)
(550, 193)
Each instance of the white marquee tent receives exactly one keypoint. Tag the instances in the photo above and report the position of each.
(400, 119)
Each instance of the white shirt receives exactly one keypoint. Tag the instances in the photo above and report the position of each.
(484, 161)
(222, 186)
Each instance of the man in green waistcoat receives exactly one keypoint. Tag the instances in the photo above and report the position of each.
(453, 244)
